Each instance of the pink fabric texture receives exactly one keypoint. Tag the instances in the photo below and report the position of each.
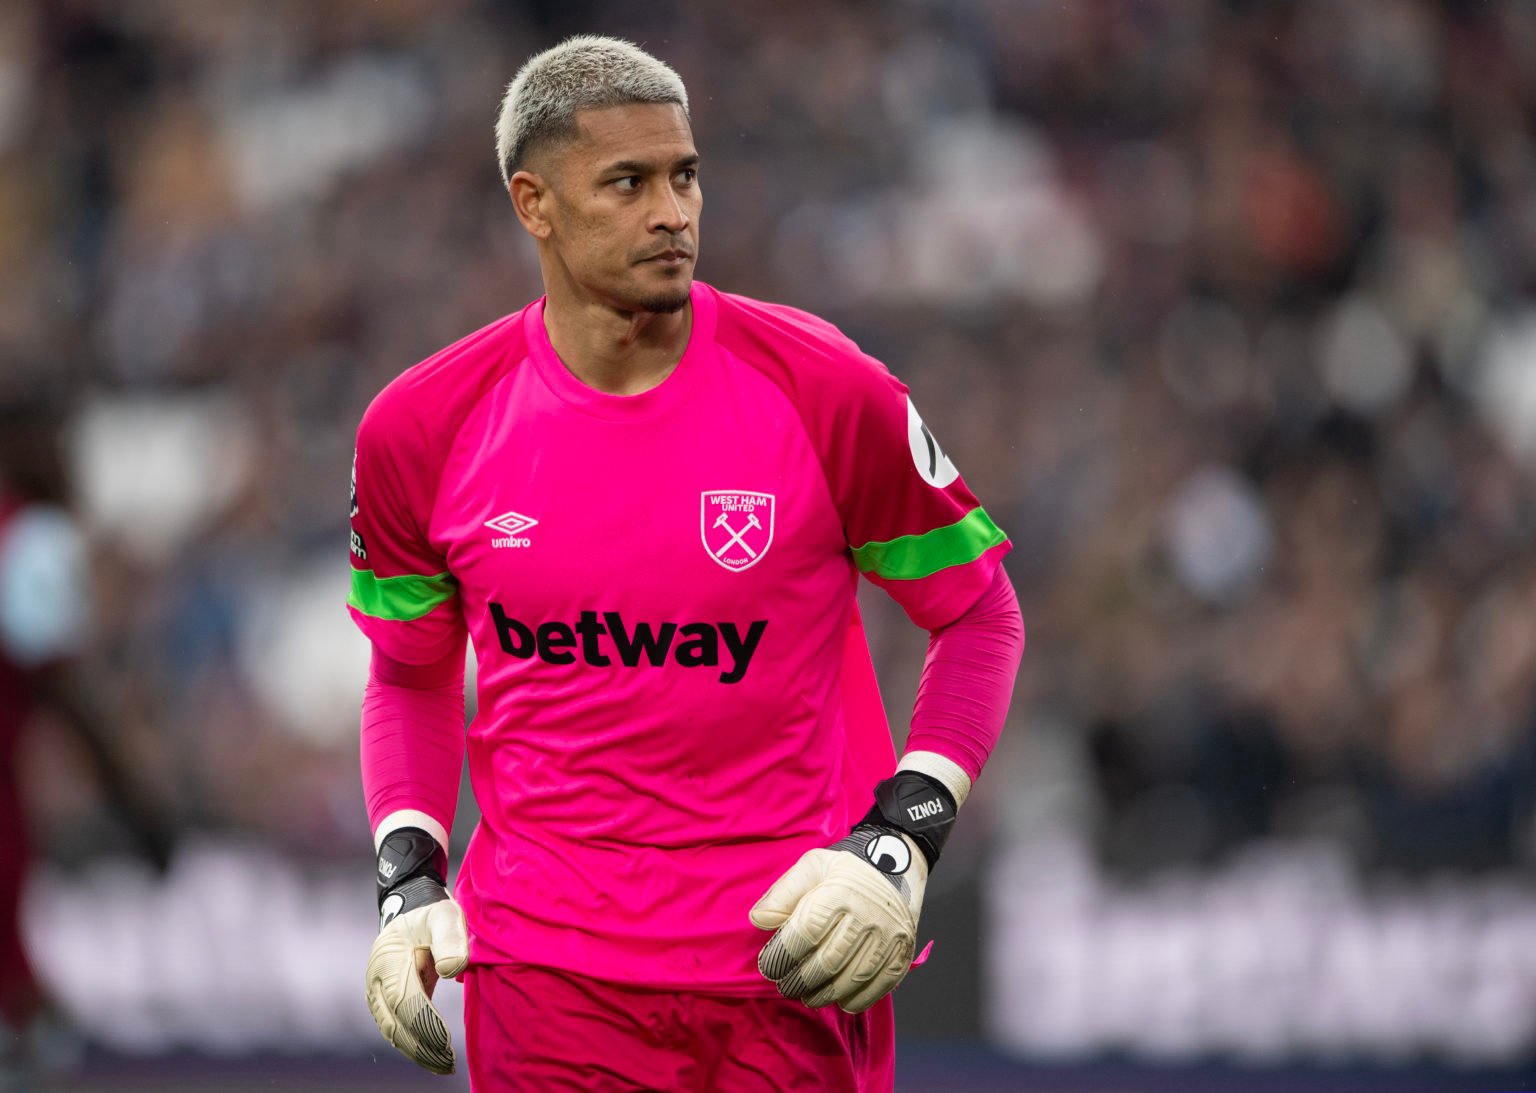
(536, 1028)
(870, 752)
(413, 736)
(962, 698)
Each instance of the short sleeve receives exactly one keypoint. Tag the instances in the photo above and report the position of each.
(403, 597)
(914, 527)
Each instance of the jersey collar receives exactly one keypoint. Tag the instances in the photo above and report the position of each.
(646, 404)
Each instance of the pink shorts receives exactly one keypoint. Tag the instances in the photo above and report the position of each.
(535, 1028)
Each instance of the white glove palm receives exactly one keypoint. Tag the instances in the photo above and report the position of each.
(845, 920)
(412, 951)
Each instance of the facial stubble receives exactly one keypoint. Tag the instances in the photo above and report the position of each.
(667, 304)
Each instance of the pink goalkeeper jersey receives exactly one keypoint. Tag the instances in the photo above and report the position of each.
(675, 700)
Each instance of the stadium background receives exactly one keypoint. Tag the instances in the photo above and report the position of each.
(1224, 308)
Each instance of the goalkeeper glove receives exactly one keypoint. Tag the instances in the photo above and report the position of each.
(422, 936)
(845, 917)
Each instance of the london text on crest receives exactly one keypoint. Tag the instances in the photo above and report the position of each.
(736, 526)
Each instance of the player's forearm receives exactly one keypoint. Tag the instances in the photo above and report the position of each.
(872, 881)
(412, 749)
(967, 681)
(413, 744)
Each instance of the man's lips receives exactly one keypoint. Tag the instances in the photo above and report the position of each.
(669, 257)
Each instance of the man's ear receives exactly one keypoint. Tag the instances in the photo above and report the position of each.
(530, 196)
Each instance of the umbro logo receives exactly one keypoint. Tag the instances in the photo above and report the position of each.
(511, 525)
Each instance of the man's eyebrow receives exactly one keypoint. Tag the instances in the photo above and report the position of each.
(641, 167)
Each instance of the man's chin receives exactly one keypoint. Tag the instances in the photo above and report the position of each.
(667, 304)
(660, 296)
(664, 301)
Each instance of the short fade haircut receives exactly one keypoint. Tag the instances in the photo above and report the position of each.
(580, 73)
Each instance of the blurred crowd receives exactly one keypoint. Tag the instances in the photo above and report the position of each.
(1225, 309)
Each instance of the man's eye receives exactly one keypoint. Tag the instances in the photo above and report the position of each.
(628, 184)
(687, 175)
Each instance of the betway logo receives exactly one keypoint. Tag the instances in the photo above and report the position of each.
(689, 644)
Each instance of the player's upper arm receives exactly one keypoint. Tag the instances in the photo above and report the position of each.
(402, 597)
(913, 526)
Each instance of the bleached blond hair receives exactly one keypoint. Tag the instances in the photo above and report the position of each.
(579, 73)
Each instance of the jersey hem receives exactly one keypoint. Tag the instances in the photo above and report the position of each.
(729, 990)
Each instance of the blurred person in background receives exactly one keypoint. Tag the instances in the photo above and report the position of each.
(673, 453)
(45, 620)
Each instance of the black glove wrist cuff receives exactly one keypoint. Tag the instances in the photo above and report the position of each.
(408, 853)
(917, 806)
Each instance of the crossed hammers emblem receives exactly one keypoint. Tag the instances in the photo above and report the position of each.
(724, 521)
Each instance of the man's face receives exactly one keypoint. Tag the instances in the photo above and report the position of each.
(624, 205)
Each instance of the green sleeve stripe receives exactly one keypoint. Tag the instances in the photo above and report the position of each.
(911, 557)
(399, 599)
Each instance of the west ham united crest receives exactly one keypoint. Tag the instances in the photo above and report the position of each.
(736, 526)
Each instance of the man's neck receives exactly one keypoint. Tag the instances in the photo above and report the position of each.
(613, 351)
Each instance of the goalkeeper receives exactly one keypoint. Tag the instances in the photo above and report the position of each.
(648, 502)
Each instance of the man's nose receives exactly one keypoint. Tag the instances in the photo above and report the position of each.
(668, 215)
